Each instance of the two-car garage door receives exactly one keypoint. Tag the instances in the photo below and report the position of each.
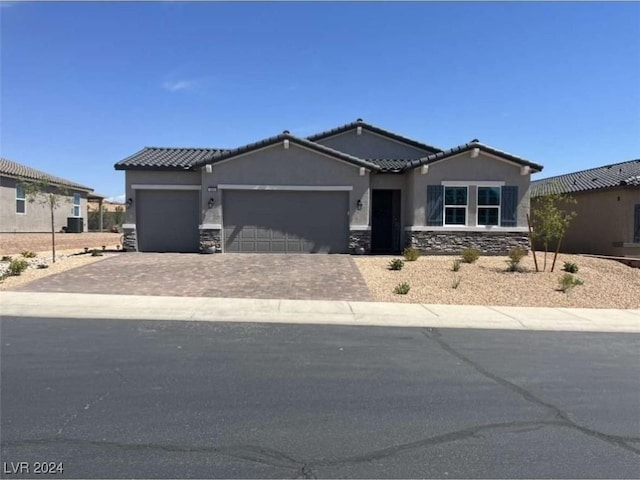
(286, 221)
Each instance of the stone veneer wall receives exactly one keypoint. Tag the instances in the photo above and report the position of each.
(360, 238)
(452, 243)
(130, 243)
(210, 238)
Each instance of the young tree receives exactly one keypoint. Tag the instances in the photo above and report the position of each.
(43, 192)
(551, 218)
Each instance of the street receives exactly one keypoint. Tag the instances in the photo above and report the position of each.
(163, 399)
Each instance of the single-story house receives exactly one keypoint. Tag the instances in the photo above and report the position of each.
(607, 207)
(18, 215)
(356, 188)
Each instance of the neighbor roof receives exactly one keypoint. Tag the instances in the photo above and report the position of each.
(166, 158)
(9, 168)
(372, 128)
(225, 154)
(436, 157)
(614, 175)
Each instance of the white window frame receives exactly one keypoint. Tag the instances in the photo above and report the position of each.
(76, 205)
(496, 207)
(445, 206)
(22, 199)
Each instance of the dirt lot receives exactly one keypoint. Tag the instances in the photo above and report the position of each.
(607, 283)
(12, 243)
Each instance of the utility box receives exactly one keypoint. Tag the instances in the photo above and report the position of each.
(75, 224)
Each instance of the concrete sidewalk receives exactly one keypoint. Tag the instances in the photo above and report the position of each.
(136, 307)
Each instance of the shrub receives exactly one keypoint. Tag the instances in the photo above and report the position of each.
(17, 266)
(42, 266)
(6, 258)
(470, 255)
(570, 267)
(456, 282)
(568, 281)
(402, 288)
(515, 256)
(29, 254)
(455, 266)
(411, 254)
(396, 264)
(96, 253)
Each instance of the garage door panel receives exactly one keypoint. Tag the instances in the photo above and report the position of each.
(167, 220)
(285, 221)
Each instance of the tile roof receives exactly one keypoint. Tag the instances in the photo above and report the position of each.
(616, 174)
(225, 154)
(13, 169)
(374, 129)
(391, 165)
(165, 158)
(469, 146)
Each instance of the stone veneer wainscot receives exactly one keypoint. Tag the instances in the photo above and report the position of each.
(452, 243)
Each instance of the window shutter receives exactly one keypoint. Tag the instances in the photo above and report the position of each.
(636, 224)
(435, 197)
(509, 206)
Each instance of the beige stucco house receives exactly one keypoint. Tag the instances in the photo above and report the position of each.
(607, 208)
(356, 188)
(18, 215)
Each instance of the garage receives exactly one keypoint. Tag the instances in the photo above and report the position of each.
(167, 220)
(266, 221)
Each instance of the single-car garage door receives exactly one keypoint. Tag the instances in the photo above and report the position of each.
(167, 220)
(286, 221)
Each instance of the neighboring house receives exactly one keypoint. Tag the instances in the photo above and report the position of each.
(351, 189)
(18, 215)
(607, 208)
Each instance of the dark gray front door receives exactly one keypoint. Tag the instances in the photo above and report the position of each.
(167, 220)
(385, 221)
(285, 221)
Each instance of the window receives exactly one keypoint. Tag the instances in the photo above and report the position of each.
(76, 205)
(455, 205)
(21, 200)
(488, 206)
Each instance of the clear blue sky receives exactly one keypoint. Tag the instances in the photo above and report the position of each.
(86, 84)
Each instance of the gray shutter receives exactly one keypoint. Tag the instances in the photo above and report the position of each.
(435, 199)
(509, 206)
(636, 224)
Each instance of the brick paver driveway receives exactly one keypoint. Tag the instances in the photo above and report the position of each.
(309, 277)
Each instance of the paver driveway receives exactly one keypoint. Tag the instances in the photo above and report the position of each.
(310, 277)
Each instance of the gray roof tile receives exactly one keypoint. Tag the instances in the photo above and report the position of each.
(13, 169)
(391, 165)
(166, 158)
(469, 146)
(616, 174)
(374, 129)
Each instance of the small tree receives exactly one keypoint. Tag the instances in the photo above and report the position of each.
(550, 222)
(43, 192)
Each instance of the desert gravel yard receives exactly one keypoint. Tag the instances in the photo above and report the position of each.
(12, 243)
(607, 283)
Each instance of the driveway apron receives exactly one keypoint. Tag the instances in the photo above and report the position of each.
(300, 276)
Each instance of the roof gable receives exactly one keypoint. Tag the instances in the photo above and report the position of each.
(466, 147)
(607, 176)
(9, 168)
(372, 128)
(267, 142)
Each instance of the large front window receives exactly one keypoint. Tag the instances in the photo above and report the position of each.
(455, 205)
(76, 204)
(488, 206)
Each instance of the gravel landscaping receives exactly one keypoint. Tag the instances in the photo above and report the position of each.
(13, 243)
(607, 283)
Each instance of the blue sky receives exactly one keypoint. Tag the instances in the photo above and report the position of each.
(83, 85)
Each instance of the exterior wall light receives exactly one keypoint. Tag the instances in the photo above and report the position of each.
(359, 205)
(129, 202)
(211, 202)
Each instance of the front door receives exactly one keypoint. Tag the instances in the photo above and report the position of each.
(385, 221)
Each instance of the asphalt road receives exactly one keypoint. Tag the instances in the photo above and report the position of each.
(154, 399)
